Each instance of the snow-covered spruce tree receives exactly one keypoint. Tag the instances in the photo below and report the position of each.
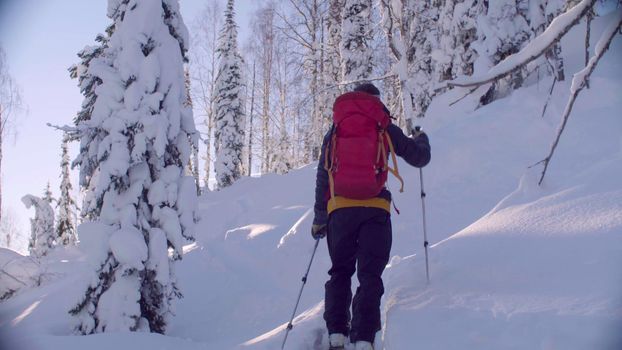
(47, 194)
(503, 30)
(229, 132)
(423, 40)
(457, 32)
(89, 137)
(41, 227)
(356, 53)
(65, 225)
(144, 207)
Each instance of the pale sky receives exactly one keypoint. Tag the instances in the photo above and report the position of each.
(41, 39)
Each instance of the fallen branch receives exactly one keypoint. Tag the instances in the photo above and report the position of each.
(472, 90)
(14, 278)
(580, 79)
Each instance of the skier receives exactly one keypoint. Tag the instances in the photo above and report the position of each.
(352, 209)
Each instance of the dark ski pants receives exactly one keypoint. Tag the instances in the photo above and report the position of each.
(359, 239)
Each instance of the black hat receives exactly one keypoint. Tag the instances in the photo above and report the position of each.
(368, 88)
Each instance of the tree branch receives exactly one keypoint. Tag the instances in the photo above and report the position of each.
(536, 48)
(548, 99)
(471, 90)
(14, 278)
(580, 79)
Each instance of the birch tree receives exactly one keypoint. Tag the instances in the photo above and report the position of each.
(332, 71)
(193, 163)
(203, 71)
(304, 27)
(10, 102)
(263, 43)
(412, 33)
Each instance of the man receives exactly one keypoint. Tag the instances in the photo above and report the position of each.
(357, 224)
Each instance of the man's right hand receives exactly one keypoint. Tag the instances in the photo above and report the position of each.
(318, 231)
(416, 132)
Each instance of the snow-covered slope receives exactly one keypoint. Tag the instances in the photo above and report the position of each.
(513, 265)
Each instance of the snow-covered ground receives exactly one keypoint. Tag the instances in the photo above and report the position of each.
(513, 265)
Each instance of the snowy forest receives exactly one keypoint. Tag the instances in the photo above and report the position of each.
(184, 210)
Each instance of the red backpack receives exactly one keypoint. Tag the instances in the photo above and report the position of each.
(357, 163)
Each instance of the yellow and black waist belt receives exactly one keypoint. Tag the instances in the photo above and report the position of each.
(338, 202)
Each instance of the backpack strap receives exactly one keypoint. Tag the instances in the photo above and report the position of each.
(394, 170)
(382, 150)
(328, 165)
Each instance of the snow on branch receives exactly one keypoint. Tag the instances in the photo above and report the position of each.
(537, 47)
(364, 80)
(73, 133)
(348, 82)
(580, 79)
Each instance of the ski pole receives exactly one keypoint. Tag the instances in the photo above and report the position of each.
(304, 281)
(425, 233)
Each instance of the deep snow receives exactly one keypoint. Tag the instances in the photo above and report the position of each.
(513, 265)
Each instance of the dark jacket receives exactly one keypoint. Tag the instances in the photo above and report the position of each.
(415, 152)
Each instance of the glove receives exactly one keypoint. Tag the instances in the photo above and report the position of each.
(421, 138)
(318, 231)
(416, 132)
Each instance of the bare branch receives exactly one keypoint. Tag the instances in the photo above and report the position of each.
(579, 81)
(14, 278)
(548, 99)
(10, 96)
(471, 91)
(299, 10)
(299, 38)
